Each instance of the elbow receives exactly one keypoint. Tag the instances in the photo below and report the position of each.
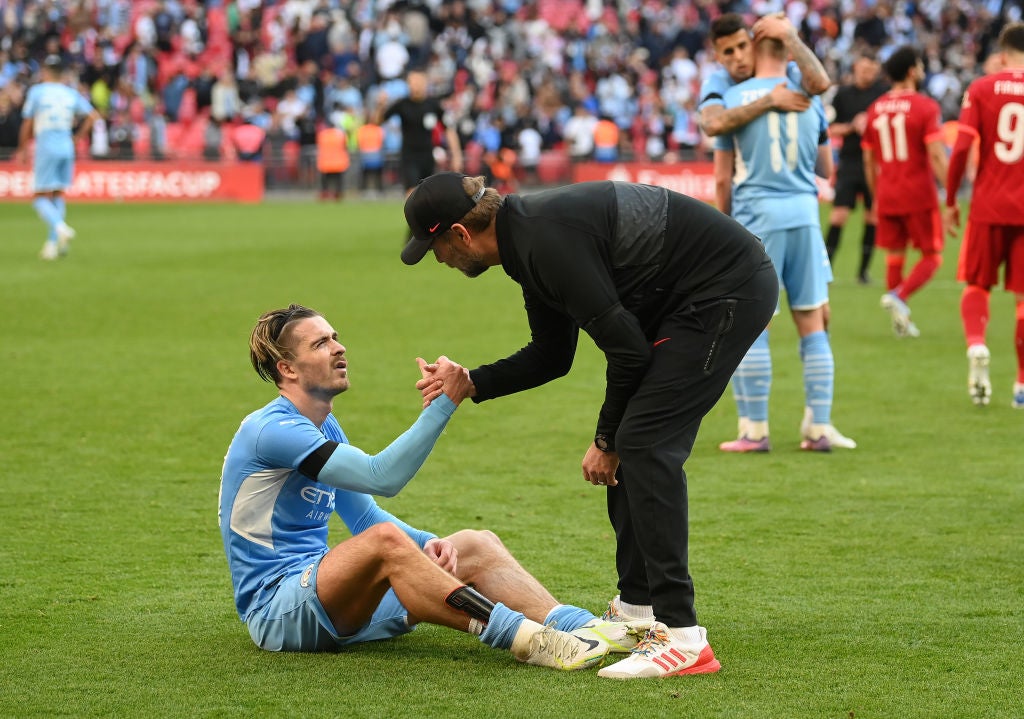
(817, 85)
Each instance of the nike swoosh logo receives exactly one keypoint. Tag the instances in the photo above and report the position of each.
(591, 643)
(661, 341)
(434, 227)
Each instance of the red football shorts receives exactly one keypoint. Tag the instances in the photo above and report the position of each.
(919, 230)
(985, 248)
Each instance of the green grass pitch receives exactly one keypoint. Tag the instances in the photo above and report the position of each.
(887, 581)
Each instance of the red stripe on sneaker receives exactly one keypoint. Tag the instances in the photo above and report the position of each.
(664, 661)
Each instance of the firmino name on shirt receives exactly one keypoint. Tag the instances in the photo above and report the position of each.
(1009, 87)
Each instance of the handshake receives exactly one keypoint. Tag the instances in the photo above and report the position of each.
(444, 377)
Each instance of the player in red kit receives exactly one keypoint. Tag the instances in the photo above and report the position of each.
(903, 150)
(993, 112)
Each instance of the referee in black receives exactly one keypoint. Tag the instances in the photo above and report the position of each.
(674, 293)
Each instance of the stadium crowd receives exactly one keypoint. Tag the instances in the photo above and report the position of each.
(528, 84)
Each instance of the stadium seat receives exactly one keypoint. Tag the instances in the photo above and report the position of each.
(553, 168)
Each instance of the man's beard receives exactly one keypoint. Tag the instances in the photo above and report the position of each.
(475, 269)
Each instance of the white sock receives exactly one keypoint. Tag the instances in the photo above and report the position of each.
(636, 611)
(687, 635)
(520, 648)
(476, 627)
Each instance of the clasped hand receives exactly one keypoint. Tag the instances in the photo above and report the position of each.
(443, 377)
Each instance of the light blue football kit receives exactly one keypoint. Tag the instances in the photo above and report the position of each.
(712, 93)
(775, 193)
(52, 109)
(273, 522)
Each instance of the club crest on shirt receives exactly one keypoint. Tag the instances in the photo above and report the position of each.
(306, 577)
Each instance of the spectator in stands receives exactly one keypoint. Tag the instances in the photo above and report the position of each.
(225, 104)
(579, 133)
(10, 125)
(370, 141)
(606, 140)
(332, 161)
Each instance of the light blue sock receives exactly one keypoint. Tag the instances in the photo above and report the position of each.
(757, 366)
(47, 212)
(566, 617)
(739, 392)
(819, 375)
(62, 207)
(501, 627)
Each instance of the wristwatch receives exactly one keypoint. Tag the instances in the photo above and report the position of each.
(603, 442)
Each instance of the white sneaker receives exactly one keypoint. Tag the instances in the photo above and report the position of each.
(899, 313)
(49, 251)
(836, 439)
(978, 385)
(620, 637)
(64, 236)
(547, 647)
(659, 655)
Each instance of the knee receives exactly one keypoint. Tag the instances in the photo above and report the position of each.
(477, 543)
(390, 540)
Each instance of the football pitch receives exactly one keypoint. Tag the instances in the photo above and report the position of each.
(886, 581)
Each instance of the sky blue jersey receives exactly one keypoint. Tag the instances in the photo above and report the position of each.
(775, 159)
(712, 90)
(273, 519)
(52, 108)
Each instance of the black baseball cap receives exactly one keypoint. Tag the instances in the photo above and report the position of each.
(436, 204)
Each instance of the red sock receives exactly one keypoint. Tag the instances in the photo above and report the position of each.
(1020, 342)
(974, 313)
(923, 271)
(894, 270)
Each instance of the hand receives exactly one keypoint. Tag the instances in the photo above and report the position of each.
(776, 26)
(444, 376)
(442, 553)
(599, 467)
(860, 122)
(21, 155)
(951, 219)
(786, 100)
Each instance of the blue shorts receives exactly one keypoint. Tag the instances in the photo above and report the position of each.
(802, 264)
(52, 172)
(295, 621)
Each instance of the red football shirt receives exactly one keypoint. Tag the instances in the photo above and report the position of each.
(993, 108)
(900, 124)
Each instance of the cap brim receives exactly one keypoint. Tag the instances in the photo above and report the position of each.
(414, 250)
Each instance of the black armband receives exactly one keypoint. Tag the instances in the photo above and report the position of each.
(316, 460)
(468, 600)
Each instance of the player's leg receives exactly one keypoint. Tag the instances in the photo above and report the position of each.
(867, 243)
(892, 237)
(486, 564)
(1014, 280)
(754, 375)
(354, 576)
(925, 232)
(837, 217)
(981, 256)
(807, 278)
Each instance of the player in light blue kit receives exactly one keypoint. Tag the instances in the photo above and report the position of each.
(772, 162)
(50, 111)
(290, 466)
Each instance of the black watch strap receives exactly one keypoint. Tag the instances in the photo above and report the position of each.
(604, 443)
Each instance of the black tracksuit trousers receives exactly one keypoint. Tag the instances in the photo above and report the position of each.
(696, 352)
